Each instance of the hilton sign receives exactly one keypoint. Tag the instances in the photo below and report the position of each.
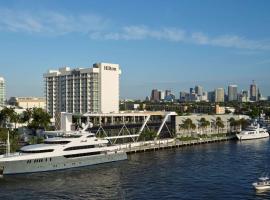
(109, 68)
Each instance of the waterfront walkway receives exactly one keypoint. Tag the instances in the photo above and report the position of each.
(168, 144)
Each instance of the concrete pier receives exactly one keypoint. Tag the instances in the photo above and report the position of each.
(156, 145)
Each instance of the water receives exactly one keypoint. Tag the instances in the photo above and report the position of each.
(212, 171)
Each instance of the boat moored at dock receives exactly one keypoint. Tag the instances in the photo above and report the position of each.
(76, 149)
(253, 132)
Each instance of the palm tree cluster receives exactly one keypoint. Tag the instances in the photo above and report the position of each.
(204, 123)
(187, 125)
(35, 118)
(219, 124)
(236, 124)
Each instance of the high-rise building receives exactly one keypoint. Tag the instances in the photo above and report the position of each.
(161, 95)
(191, 91)
(168, 92)
(199, 90)
(244, 96)
(2, 91)
(211, 96)
(253, 92)
(232, 93)
(219, 95)
(82, 90)
(155, 95)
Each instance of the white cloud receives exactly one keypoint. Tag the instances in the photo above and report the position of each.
(49, 22)
(141, 33)
(99, 28)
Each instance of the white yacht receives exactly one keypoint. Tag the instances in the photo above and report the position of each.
(263, 183)
(71, 150)
(253, 132)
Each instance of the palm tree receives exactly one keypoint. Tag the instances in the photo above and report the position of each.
(219, 123)
(233, 123)
(204, 123)
(26, 116)
(6, 115)
(188, 125)
(243, 123)
(15, 118)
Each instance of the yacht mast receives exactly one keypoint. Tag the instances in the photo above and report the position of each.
(8, 145)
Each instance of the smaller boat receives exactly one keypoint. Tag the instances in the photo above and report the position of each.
(254, 131)
(263, 183)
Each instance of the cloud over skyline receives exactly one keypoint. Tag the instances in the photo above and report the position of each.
(49, 22)
(99, 28)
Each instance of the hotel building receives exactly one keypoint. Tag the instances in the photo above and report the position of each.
(83, 90)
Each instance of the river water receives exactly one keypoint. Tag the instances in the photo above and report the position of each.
(211, 171)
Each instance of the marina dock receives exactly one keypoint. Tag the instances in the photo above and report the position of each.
(168, 144)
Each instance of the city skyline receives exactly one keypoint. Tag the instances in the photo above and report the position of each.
(171, 47)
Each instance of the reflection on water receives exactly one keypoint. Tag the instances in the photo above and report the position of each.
(212, 171)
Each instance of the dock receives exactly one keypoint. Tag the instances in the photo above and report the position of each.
(161, 144)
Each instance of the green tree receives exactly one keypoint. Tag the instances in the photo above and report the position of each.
(40, 119)
(26, 116)
(204, 123)
(233, 123)
(187, 125)
(219, 123)
(6, 115)
(147, 135)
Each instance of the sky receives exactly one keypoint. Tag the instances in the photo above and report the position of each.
(158, 44)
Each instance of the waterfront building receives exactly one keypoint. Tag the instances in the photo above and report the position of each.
(199, 90)
(83, 90)
(232, 93)
(155, 97)
(2, 91)
(28, 102)
(219, 95)
(253, 92)
(211, 129)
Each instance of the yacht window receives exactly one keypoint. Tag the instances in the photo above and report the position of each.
(79, 147)
(82, 154)
(90, 136)
(72, 136)
(38, 151)
(56, 142)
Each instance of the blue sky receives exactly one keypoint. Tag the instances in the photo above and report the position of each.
(159, 44)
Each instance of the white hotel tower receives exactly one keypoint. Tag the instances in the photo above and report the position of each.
(81, 90)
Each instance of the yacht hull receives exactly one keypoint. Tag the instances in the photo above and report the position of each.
(251, 136)
(57, 163)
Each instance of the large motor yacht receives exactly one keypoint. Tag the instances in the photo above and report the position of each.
(253, 132)
(76, 149)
